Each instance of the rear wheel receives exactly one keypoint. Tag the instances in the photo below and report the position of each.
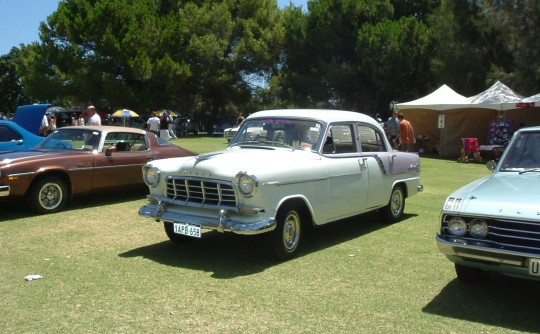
(284, 240)
(47, 195)
(393, 211)
(175, 237)
(470, 275)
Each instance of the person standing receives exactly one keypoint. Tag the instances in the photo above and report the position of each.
(44, 126)
(152, 124)
(170, 127)
(164, 127)
(406, 135)
(240, 119)
(392, 126)
(53, 123)
(95, 119)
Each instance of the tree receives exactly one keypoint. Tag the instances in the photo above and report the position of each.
(512, 29)
(152, 54)
(11, 94)
(460, 56)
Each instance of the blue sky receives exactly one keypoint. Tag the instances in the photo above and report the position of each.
(19, 20)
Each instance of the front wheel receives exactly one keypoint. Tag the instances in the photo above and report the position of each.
(284, 240)
(47, 195)
(393, 211)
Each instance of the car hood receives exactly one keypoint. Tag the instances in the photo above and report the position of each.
(15, 158)
(504, 194)
(226, 164)
(30, 116)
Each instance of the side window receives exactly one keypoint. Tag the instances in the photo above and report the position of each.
(340, 139)
(370, 139)
(126, 142)
(7, 134)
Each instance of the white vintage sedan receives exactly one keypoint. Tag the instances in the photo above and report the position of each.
(493, 224)
(305, 167)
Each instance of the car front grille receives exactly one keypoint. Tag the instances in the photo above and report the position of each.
(201, 192)
(505, 234)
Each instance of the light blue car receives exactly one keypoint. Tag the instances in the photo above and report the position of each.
(21, 133)
(493, 224)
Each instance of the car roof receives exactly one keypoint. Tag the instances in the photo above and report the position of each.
(325, 115)
(105, 128)
(529, 128)
(30, 116)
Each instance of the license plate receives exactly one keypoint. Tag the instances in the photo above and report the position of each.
(187, 229)
(534, 267)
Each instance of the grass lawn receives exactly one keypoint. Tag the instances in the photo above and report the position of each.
(107, 270)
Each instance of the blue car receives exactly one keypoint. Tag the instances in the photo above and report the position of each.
(21, 133)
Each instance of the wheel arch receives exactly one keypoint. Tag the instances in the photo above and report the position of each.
(62, 175)
(300, 202)
(403, 186)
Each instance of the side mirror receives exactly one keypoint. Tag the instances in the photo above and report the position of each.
(491, 164)
(110, 150)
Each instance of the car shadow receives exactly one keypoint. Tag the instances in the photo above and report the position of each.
(500, 301)
(20, 210)
(227, 255)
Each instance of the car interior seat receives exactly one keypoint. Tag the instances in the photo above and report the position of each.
(123, 146)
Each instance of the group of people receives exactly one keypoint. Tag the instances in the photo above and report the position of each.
(161, 126)
(400, 132)
(48, 125)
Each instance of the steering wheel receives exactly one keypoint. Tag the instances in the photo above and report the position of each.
(61, 146)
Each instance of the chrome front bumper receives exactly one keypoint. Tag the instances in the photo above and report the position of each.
(4, 191)
(221, 223)
(482, 254)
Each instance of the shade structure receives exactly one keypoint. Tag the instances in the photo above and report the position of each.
(443, 98)
(126, 113)
(498, 97)
(444, 117)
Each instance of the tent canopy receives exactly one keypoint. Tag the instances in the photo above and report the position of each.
(442, 99)
(497, 97)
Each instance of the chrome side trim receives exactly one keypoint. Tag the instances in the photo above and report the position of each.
(21, 174)
(4, 191)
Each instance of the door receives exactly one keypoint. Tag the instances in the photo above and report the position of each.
(123, 167)
(347, 173)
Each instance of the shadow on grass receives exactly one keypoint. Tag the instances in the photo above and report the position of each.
(20, 210)
(228, 255)
(501, 301)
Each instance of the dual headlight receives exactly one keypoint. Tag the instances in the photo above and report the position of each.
(151, 176)
(478, 228)
(247, 184)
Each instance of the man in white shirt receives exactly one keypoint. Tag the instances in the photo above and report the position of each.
(153, 123)
(95, 119)
(44, 127)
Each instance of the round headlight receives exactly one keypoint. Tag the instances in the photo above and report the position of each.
(151, 176)
(478, 228)
(457, 227)
(247, 184)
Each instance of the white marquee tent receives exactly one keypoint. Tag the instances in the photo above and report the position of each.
(444, 117)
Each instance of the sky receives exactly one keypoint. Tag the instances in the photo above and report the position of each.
(20, 19)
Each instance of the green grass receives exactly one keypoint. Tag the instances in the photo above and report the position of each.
(107, 270)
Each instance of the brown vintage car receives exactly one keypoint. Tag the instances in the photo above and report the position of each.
(80, 159)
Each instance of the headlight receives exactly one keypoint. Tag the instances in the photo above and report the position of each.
(247, 184)
(457, 227)
(478, 228)
(151, 176)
